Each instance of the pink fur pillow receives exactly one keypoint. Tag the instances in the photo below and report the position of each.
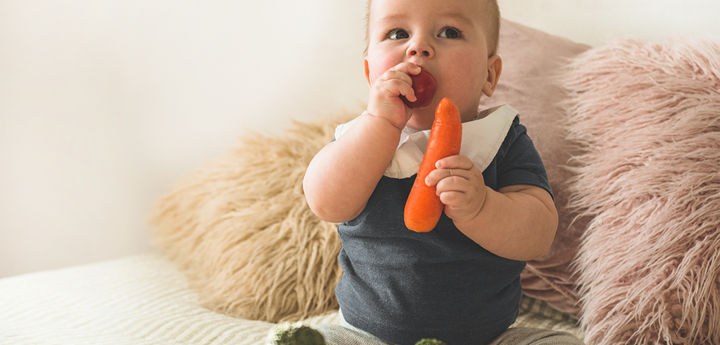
(649, 118)
(532, 62)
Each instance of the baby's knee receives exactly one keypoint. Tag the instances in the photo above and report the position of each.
(535, 336)
(341, 335)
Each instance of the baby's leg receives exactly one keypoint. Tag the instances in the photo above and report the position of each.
(535, 336)
(347, 334)
(323, 334)
(343, 335)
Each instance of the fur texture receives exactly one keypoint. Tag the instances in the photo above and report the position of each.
(241, 229)
(648, 116)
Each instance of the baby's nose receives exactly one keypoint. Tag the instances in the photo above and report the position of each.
(423, 52)
(420, 48)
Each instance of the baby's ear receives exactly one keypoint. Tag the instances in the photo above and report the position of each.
(494, 66)
(367, 72)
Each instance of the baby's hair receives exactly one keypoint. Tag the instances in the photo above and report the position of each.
(492, 13)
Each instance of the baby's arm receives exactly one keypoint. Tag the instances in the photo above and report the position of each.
(516, 222)
(343, 175)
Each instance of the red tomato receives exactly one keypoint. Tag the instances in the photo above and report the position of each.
(424, 86)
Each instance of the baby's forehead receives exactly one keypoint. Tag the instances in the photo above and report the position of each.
(485, 15)
(385, 11)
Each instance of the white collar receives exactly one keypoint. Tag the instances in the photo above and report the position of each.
(481, 139)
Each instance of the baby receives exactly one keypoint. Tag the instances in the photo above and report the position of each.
(459, 283)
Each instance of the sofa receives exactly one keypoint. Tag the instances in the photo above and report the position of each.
(629, 131)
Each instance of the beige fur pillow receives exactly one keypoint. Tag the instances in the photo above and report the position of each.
(241, 229)
(649, 118)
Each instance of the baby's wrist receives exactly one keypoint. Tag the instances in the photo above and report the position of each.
(472, 218)
(384, 119)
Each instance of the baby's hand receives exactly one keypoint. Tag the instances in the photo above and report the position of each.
(384, 100)
(460, 186)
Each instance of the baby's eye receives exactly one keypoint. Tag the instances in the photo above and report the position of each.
(398, 34)
(450, 33)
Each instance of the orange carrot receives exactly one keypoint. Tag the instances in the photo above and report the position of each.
(423, 207)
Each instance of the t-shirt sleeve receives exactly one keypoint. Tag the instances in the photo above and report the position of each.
(519, 162)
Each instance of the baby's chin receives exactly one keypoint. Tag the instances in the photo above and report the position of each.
(422, 119)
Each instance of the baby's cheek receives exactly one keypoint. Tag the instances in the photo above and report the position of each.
(379, 64)
(466, 87)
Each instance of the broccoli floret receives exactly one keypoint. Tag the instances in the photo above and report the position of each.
(295, 334)
(429, 342)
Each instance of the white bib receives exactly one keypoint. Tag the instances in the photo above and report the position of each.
(481, 139)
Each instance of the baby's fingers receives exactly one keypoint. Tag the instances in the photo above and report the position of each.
(405, 68)
(387, 91)
(437, 175)
(453, 166)
(455, 162)
(396, 87)
(397, 80)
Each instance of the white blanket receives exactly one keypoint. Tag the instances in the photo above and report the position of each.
(145, 300)
(137, 300)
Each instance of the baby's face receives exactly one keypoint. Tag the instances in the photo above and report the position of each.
(445, 37)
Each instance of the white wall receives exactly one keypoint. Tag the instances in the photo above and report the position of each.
(104, 104)
(597, 21)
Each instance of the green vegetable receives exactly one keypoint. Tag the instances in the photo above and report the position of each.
(295, 334)
(429, 342)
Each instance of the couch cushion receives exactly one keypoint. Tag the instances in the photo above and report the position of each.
(532, 64)
(241, 230)
(648, 116)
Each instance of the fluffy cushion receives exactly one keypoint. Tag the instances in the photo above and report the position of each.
(532, 63)
(241, 229)
(649, 263)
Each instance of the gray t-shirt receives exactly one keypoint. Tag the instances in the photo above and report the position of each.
(402, 286)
